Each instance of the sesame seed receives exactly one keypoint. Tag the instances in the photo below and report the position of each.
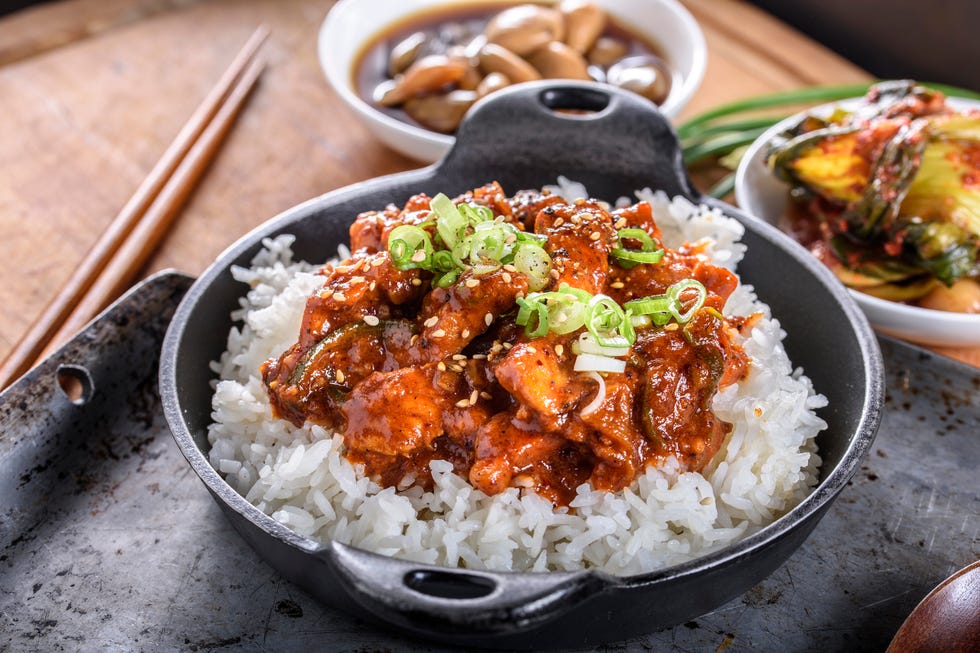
(441, 366)
(416, 281)
(340, 376)
(705, 501)
(559, 222)
(456, 368)
(620, 223)
(479, 357)
(472, 283)
(357, 279)
(523, 481)
(372, 320)
(438, 333)
(418, 256)
(414, 339)
(431, 322)
(617, 284)
(377, 263)
(554, 273)
(465, 334)
(506, 277)
(339, 296)
(486, 395)
(374, 284)
(559, 349)
(459, 357)
(474, 396)
(595, 235)
(510, 239)
(463, 403)
(510, 268)
(673, 326)
(580, 201)
(507, 345)
(531, 349)
(488, 319)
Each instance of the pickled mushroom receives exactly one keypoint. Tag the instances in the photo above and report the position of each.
(435, 72)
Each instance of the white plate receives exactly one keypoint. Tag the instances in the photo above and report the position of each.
(760, 194)
(350, 24)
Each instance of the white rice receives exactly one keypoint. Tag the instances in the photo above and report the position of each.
(299, 476)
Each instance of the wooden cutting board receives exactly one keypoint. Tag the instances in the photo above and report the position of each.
(92, 91)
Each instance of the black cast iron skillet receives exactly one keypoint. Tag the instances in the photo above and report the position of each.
(614, 143)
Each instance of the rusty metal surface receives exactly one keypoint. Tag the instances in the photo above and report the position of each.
(108, 541)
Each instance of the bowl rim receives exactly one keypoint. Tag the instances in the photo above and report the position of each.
(903, 320)
(626, 121)
(339, 75)
(811, 507)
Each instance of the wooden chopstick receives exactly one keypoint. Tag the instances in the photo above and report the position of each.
(133, 234)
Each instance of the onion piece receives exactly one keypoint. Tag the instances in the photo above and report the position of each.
(600, 395)
(596, 363)
(587, 344)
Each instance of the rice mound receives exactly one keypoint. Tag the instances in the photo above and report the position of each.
(300, 477)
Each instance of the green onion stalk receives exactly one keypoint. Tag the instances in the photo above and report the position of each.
(724, 133)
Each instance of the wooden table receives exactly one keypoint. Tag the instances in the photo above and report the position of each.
(92, 91)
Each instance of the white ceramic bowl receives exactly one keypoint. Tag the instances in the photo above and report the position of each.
(350, 24)
(760, 194)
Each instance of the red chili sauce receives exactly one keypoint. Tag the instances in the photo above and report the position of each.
(409, 373)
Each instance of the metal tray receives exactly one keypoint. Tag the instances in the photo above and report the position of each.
(109, 542)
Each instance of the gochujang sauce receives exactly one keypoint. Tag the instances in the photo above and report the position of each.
(409, 373)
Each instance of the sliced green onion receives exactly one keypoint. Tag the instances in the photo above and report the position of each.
(646, 242)
(533, 316)
(442, 261)
(694, 306)
(629, 258)
(530, 237)
(409, 247)
(659, 309)
(587, 344)
(487, 244)
(649, 252)
(450, 223)
(447, 279)
(470, 239)
(475, 214)
(639, 320)
(533, 261)
(627, 328)
(605, 317)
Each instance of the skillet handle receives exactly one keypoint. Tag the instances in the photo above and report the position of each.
(430, 599)
(580, 130)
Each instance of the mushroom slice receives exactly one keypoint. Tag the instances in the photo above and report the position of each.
(428, 75)
(498, 59)
(441, 113)
(584, 22)
(645, 75)
(525, 28)
(405, 53)
(559, 61)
